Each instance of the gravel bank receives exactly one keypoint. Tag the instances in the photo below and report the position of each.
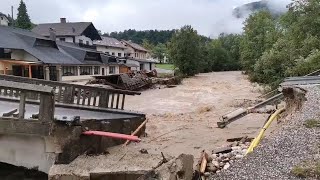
(289, 146)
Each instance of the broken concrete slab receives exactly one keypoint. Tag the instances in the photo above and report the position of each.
(180, 168)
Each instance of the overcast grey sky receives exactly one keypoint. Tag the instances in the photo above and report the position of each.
(209, 17)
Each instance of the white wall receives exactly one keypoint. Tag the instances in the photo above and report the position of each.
(67, 39)
(111, 50)
(84, 38)
(129, 61)
(27, 151)
(22, 55)
(4, 21)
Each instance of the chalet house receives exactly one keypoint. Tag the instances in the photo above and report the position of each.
(110, 46)
(27, 54)
(81, 33)
(135, 50)
(138, 55)
(4, 21)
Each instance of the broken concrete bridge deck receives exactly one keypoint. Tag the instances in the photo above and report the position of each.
(37, 129)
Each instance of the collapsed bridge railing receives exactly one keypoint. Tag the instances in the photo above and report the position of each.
(79, 94)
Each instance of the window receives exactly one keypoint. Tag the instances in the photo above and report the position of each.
(85, 70)
(87, 42)
(69, 71)
(80, 41)
(112, 69)
(119, 54)
(113, 53)
(62, 39)
(97, 70)
(107, 53)
(1, 18)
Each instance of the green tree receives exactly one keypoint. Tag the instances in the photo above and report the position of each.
(184, 50)
(23, 21)
(160, 51)
(146, 44)
(231, 43)
(260, 34)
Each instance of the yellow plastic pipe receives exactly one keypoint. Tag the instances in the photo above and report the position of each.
(257, 140)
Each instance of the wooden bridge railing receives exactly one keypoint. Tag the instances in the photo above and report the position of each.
(22, 90)
(79, 94)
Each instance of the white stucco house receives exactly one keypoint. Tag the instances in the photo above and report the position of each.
(110, 46)
(4, 21)
(81, 33)
(134, 50)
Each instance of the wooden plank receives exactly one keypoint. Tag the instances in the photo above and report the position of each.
(136, 131)
(22, 105)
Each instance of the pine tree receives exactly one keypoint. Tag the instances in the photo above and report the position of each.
(23, 20)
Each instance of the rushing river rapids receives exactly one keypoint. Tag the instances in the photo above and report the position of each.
(9, 172)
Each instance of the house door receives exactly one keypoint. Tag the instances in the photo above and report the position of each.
(102, 69)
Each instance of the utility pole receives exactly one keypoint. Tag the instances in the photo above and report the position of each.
(12, 16)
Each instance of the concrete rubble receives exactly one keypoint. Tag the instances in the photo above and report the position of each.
(222, 158)
(180, 168)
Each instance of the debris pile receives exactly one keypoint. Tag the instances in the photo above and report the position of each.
(222, 158)
(136, 80)
(125, 81)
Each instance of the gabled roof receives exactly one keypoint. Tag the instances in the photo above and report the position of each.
(41, 48)
(110, 42)
(68, 29)
(79, 53)
(134, 45)
(1, 14)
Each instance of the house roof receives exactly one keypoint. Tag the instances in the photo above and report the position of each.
(44, 49)
(143, 60)
(108, 41)
(68, 29)
(79, 53)
(135, 46)
(1, 14)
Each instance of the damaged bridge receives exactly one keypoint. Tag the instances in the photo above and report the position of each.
(43, 122)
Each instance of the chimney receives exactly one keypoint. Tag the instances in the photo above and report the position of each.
(63, 20)
(52, 33)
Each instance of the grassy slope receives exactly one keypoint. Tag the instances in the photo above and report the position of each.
(165, 66)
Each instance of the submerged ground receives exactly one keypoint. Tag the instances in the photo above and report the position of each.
(183, 119)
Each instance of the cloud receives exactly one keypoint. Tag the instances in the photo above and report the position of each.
(209, 17)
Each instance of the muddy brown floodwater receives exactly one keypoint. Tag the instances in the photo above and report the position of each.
(183, 119)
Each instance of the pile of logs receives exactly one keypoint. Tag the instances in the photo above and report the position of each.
(222, 158)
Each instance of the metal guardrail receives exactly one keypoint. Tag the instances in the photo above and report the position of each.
(301, 81)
